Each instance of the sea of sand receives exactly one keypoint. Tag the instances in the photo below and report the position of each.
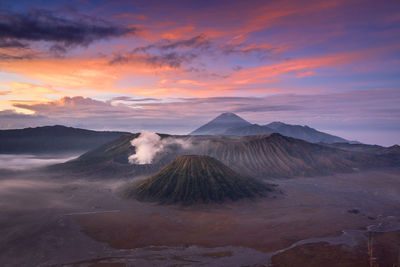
(47, 219)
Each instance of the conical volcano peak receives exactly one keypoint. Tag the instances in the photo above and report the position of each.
(194, 179)
(221, 124)
(230, 124)
(229, 116)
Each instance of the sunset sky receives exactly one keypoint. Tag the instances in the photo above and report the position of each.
(170, 66)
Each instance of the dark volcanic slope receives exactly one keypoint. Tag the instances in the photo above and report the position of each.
(261, 156)
(195, 179)
(111, 159)
(275, 155)
(53, 139)
(371, 149)
(253, 129)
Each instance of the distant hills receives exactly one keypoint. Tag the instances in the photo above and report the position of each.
(262, 156)
(62, 139)
(53, 139)
(195, 179)
(232, 124)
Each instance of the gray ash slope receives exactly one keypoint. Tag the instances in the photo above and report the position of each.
(193, 179)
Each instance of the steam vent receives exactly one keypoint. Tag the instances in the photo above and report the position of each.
(198, 179)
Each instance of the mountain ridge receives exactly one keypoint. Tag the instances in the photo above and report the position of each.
(261, 156)
(53, 139)
(217, 126)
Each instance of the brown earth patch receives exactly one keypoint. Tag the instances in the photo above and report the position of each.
(263, 228)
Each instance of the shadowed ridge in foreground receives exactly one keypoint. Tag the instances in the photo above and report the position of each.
(197, 179)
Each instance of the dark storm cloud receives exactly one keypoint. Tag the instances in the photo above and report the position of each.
(165, 53)
(175, 53)
(261, 51)
(199, 41)
(172, 59)
(4, 56)
(44, 25)
(5, 43)
(236, 49)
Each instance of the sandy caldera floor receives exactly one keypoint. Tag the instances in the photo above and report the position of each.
(56, 222)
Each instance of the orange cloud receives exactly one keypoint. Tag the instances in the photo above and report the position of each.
(191, 82)
(265, 74)
(30, 90)
(178, 32)
(22, 92)
(246, 81)
(65, 73)
(269, 14)
(90, 75)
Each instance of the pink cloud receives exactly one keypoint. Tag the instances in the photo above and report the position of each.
(305, 74)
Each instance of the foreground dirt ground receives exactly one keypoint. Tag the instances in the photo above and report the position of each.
(309, 208)
(47, 221)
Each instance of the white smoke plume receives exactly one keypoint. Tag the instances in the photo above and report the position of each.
(148, 144)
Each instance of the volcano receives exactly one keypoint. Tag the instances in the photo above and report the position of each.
(197, 179)
(230, 124)
(220, 124)
(260, 156)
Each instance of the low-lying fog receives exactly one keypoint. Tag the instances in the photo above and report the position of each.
(24, 161)
(44, 218)
(36, 210)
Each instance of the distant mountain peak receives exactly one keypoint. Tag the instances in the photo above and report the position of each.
(220, 124)
(229, 116)
(231, 124)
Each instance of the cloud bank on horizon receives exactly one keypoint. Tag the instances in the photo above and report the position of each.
(169, 67)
